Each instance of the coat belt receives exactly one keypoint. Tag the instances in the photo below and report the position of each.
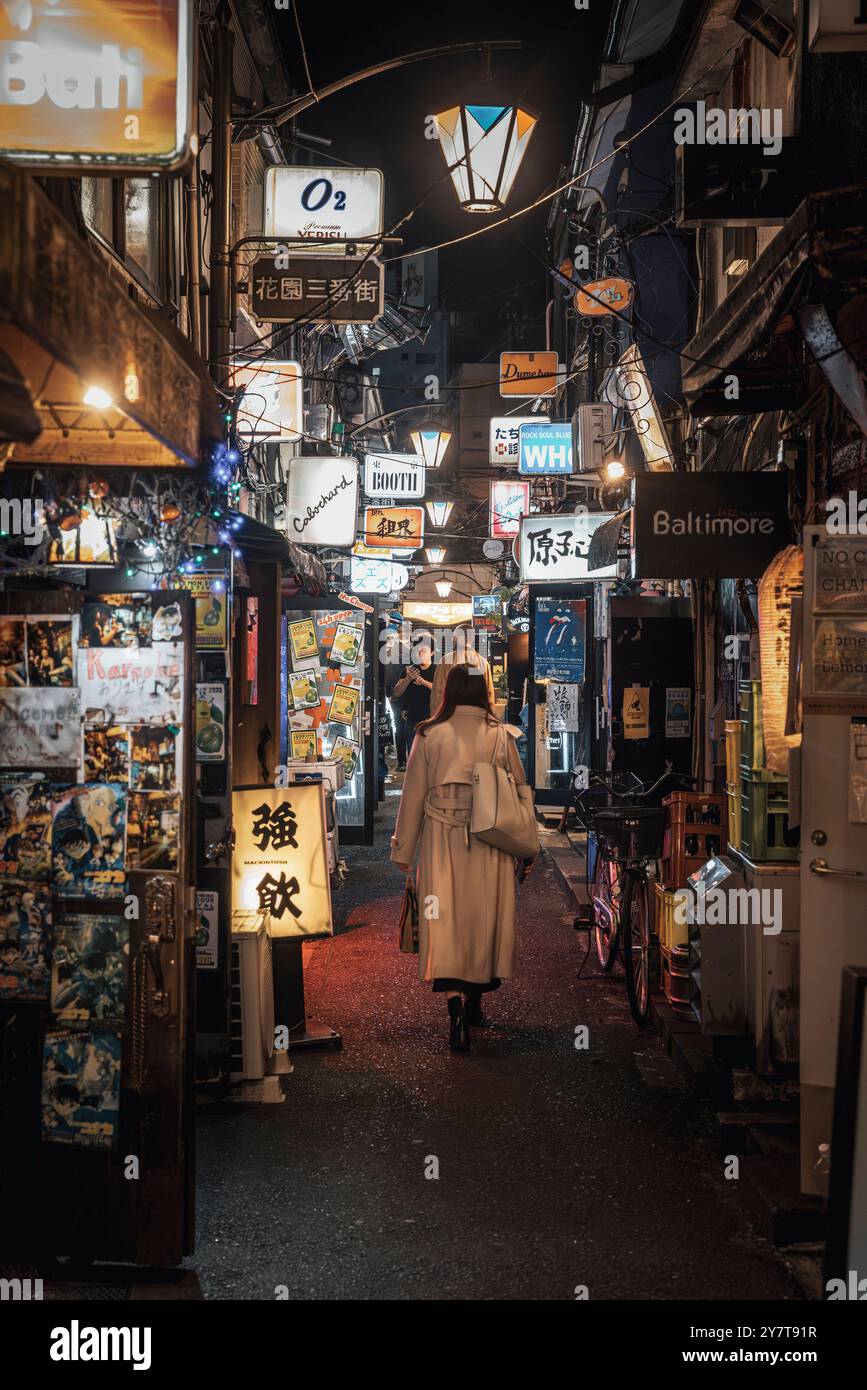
(453, 818)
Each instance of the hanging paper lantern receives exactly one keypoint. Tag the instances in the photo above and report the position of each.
(782, 581)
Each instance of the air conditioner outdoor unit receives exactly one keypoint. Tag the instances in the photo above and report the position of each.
(251, 1008)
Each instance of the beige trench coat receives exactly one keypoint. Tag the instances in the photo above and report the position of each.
(466, 889)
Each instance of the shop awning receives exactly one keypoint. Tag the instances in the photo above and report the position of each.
(259, 543)
(756, 335)
(67, 327)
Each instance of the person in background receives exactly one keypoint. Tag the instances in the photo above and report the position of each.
(467, 944)
(415, 686)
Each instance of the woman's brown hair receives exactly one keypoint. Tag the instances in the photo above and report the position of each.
(465, 685)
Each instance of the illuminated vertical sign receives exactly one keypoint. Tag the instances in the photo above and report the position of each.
(509, 502)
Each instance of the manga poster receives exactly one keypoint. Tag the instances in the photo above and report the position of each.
(303, 689)
(87, 840)
(153, 754)
(25, 927)
(81, 1088)
(13, 652)
(49, 651)
(25, 822)
(346, 647)
(153, 830)
(116, 620)
(106, 753)
(90, 968)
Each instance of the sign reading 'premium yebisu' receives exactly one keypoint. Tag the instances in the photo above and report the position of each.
(707, 525)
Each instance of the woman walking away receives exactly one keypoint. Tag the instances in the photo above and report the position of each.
(466, 887)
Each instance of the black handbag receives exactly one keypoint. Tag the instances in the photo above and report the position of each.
(407, 931)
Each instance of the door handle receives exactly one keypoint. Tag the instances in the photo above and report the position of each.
(824, 870)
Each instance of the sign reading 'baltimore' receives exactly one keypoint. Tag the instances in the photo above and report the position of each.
(707, 525)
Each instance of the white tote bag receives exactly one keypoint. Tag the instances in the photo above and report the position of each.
(502, 813)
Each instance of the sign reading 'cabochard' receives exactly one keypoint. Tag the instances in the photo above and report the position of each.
(707, 525)
(322, 501)
(95, 85)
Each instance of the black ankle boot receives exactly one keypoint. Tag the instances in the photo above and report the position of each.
(459, 1032)
(473, 1010)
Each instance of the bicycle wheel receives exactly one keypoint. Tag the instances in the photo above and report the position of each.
(635, 939)
(606, 920)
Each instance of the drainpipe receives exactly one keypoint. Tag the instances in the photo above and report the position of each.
(191, 197)
(220, 305)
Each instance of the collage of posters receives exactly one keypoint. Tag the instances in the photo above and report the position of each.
(326, 686)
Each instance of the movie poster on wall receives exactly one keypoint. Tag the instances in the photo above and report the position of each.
(25, 940)
(90, 968)
(87, 840)
(559, 640)
(25, 826)
(81, 1088)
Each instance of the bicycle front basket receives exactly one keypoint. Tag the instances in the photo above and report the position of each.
(630, 832)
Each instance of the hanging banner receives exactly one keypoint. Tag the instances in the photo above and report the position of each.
(394, 475)
(678, 699)
(503, 445)
(509, 501)
(528, 374)
(545, 447)
(388, 528)
(322, 501)
(636, 711)
(559, 639)
(556, 547)
(707, 525)
(318, 289)
(95, 87)
(313, 204)
(280, 860)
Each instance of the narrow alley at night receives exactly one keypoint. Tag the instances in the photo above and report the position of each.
(433, 672)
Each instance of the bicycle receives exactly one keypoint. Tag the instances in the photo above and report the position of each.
(628, 839)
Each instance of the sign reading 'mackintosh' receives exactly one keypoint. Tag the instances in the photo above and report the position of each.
(91, 85)
(707, 525)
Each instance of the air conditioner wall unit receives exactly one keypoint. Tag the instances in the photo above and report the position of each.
(251, 1006)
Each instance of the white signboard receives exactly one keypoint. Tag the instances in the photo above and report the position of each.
(323, 204)
(555, 547)
(272, 406)
(394, 475)
(322, 501)
(505, 437)
(377, 576)
(40, 727)
(131, 684)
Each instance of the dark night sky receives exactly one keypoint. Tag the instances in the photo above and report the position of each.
(381, 121)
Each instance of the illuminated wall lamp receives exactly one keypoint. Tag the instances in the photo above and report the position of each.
(97, 397)
(431, 445)
(439, 512)
(443, 587)
(435, 554)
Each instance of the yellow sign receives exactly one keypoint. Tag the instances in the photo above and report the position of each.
(209, 592)
(280, 859)
(304, 743)
(346, 646)
(95, 86)
(398, 528)
(528, 374)
(636, 711)
(602, 297)
(302, 635)
(344, 703)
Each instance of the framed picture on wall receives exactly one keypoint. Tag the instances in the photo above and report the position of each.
(846, 1250)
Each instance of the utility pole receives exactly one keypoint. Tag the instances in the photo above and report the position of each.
(220, 305)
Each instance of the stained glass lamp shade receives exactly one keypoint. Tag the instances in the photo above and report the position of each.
(484, 147)
(431, 445)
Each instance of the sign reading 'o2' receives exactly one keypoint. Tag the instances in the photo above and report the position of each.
(323, 204)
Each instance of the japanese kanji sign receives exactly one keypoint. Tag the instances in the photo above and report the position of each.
(321, 289)
(398, 528)
(280, 859)
(555, 547)
(504, 436)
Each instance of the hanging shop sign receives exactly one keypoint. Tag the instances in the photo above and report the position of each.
(91, 86)
(706, 525)
(272, 406)
(319, 289)
(312, 204)
(280, 859)
(528, 374)
(493, 549)
(556, 547)
(545, 447)
(322, 501)
(431, 613)
(628, 388)
(487, 611)
(387, 528)
(636, 711)
(377, 576)
(508, 503)
(601, 297)
(559, 640)
(394, 475)
(504, 436)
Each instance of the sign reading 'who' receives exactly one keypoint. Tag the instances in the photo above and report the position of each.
(545, 448)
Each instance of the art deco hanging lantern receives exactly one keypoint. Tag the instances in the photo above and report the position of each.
(439, 511)
(435, 554)
(431, 445)
(484, 147)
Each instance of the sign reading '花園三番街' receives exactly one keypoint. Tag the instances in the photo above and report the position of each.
(707, 525)
(94, 86)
